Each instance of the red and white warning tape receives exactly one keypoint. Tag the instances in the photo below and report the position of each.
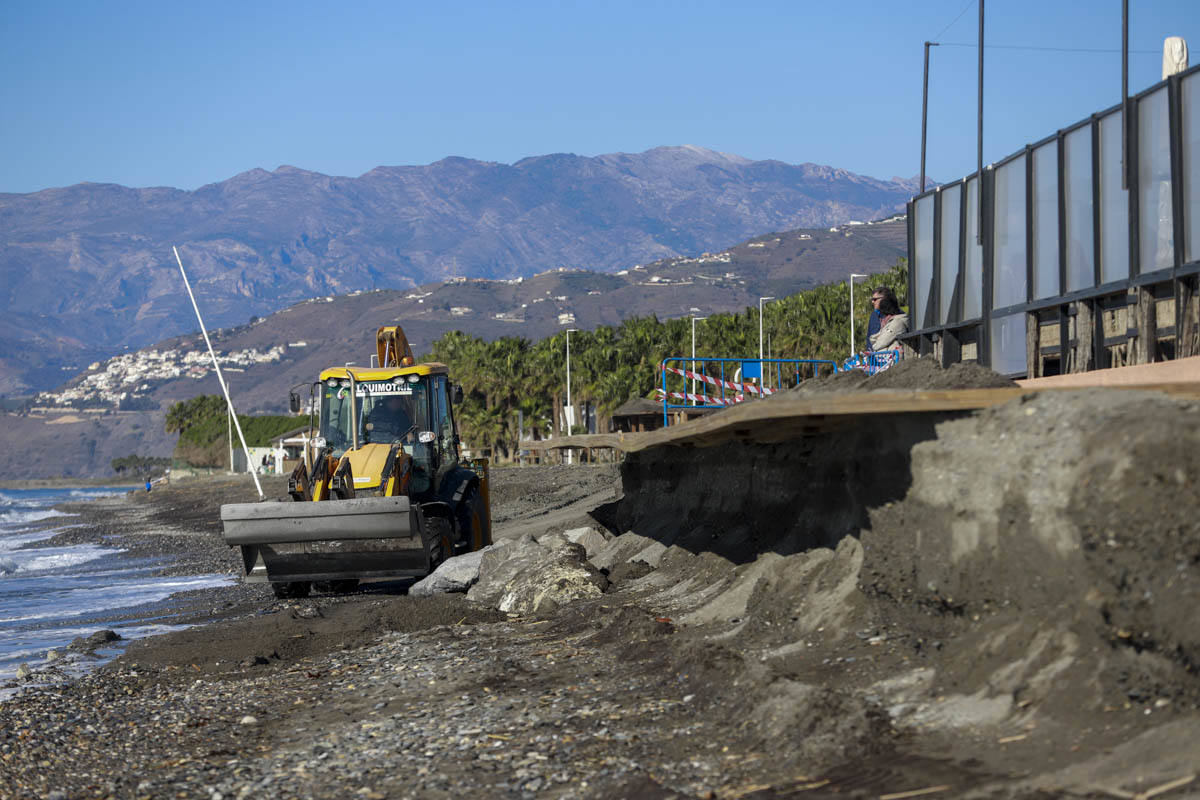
(740, 387)
(702, 398)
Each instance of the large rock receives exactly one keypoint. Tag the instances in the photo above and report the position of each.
(627, 547)
(818, 589)
(591, 539)
(455, 574)
(528, 577)
(93, 642)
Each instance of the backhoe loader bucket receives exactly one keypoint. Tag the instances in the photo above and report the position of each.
(327, 540)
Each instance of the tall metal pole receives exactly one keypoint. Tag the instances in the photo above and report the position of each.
(694, 320)
(762, 373)
(853, 275)
(979, 148)
(217, 368)
(229, 432)
(1125, 94)
(925, 109)
(570, 406)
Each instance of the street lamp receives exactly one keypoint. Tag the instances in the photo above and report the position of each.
(762, 373)
(570, 408)
(925, 109)
(695, 319)
(853, 275)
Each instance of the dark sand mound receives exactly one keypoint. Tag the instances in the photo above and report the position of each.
(913, 373)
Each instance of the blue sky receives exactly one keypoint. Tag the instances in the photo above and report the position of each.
(184, 94)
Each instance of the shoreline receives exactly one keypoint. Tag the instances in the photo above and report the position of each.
(153, 536)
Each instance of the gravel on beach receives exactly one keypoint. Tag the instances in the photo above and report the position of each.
(724, 661)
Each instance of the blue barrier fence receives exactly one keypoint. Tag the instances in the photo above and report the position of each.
(873, 362)
(736, 379)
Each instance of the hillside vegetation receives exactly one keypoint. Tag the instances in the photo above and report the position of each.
(614, 363)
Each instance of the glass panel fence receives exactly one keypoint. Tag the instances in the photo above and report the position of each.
(951, 214)
(1156, 232)
(1008, 255)
(1190, 94)
(1045, 221)
(973, 271)
(1077, 163)
(921, 270)
(1114, 204)
(1008, 344)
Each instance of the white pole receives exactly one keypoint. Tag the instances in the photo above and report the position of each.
(694, 321)
(569, 408)
(762, 373)
(853, 275)
(220, 377)
(570, 405)
(229, 432)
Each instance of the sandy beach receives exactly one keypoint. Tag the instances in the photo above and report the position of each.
(692, 675)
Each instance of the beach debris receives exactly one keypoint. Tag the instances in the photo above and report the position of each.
(89, 644)
(527, 577)
(592, 539)
(456, 574)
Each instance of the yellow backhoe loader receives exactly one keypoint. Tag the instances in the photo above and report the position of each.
(381, 491)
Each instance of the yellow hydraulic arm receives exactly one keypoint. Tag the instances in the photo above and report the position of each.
(392, 347)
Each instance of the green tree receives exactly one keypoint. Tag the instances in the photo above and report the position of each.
(611, 364)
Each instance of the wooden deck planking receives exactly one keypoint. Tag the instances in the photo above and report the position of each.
(788, 416)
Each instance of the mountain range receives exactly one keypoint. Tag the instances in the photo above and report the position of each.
(86, 271)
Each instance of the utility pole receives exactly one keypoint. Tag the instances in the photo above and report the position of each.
(925, 110)
(979, 143)
(570, 405)
(695, 319)
(853, 275)
(762, 373)
(1125, 94)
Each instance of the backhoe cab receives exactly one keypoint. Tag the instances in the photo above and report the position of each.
(381, 492)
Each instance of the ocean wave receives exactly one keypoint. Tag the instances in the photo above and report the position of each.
(99, 491)
(12, 518)
(118, 594)
(51, 558)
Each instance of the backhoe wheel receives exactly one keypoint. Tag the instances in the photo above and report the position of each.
(473, 521)
(290, 590)
(438, 544)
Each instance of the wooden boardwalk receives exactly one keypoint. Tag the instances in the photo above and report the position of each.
(788, 416)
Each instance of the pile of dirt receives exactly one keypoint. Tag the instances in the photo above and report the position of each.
(785, 498)
(914, 373)
(927, 374)
(1033, 565)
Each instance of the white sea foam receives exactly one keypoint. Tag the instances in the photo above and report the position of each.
(11, 519)
(42, 559)
(76, 602)
(18, 540)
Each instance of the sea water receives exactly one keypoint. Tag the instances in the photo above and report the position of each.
(51, 595)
